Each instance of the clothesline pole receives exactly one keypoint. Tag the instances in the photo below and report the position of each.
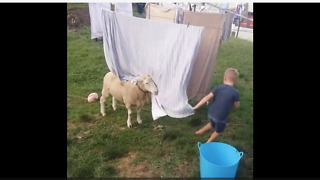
(238, 28)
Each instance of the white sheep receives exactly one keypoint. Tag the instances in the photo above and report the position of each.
(131, 94)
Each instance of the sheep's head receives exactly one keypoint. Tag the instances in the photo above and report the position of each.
(146, 83)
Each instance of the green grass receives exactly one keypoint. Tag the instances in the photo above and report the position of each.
(96, 144)
(76, 5)
(85, 5)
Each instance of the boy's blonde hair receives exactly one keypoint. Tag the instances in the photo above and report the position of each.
(231, 74)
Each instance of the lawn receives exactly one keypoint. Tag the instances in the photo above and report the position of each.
(105, 147)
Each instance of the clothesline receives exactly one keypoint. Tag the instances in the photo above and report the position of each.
(224, 9)
(166, 17)
(230, 12)
(152, 16)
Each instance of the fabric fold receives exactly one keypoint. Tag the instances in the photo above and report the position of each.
(95, 18)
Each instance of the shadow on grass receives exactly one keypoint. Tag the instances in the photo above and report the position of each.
(171, 135)
(114, 152)
(105, 171)
(86, 118)
(70, 142)
(196, 121)
(196, 174)
(85, 171)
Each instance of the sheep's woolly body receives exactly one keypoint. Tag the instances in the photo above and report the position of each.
(133, 95)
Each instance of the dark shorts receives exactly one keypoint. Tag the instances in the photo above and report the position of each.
(217, 124)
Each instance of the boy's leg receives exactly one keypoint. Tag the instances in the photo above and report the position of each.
(220, 126)
(213, 136)
(204, 128)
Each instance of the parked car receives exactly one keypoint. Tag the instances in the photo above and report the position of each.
(244, 22)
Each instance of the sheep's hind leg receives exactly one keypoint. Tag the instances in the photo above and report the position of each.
(138, 116)
(114, 103)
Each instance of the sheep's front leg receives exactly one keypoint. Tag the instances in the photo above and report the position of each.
(114, 103)
(104, 95)
(102, 108)
(138, 115)
(129, 116)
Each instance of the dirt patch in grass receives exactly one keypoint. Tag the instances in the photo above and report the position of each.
(70, 125)
(122, 128)
(180, 171)
(158, 127)
(97, 116)
(78, 18)
(126, 168)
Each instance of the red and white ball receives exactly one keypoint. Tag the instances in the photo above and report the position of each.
(93, 97)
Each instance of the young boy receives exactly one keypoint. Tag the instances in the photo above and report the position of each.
(225, 97)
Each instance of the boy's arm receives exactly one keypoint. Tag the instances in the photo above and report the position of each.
(236, 104)
(203, 100)
(236, 100)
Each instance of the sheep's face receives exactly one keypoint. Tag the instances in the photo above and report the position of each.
(148, 84)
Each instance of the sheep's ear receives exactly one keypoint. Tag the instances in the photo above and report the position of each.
(143, 78)
(140, 79)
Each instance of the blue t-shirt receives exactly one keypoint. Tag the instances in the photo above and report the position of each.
(223, 101)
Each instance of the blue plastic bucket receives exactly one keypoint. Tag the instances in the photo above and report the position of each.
(218, 160)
